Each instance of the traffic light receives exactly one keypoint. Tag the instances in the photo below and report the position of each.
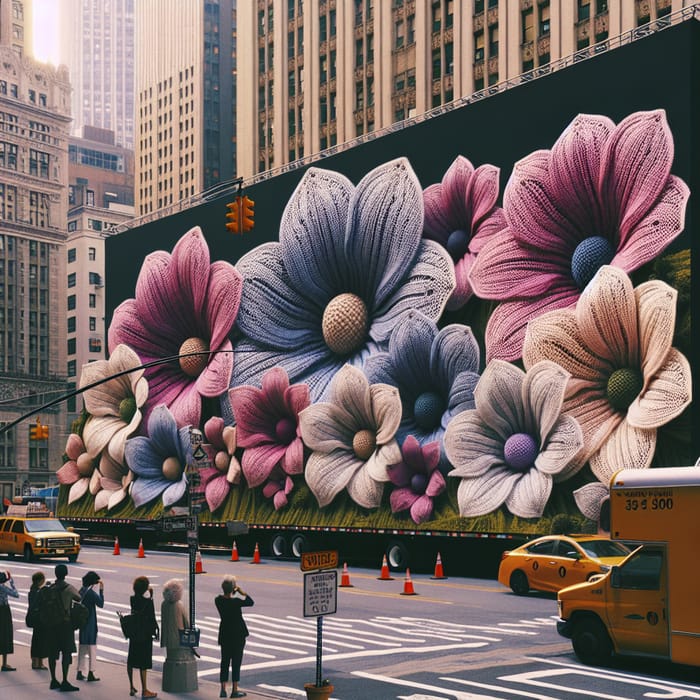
(37, 431)
(44, 432)
(233, 216)
(247, 214)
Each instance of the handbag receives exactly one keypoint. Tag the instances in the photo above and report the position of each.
(128, 623)
(78, 615)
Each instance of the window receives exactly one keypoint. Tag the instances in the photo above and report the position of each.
(478, 6)
(436, 14)
(493, 40)
(479, 46)
(95, 345)
(437, 64)
(399, 37)
(71, 302)
(92, 323)
(544, 20)
(8, 200)
(70, 346)
(92, 252)
(38, 208)
(92, 301)
(94, 278)
(8, 155)
(642, 572)
(38, 163)
(71, 255)
(71, 324)
(602, 6)
(71, 368)
(545, 547)
(528, 25)
(71, 280)
(584, 9)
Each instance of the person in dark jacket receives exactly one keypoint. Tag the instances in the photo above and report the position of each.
(141, 643)
(40, 646)
(61, 637)
(87, 637)
(232, 633)
(7, 588)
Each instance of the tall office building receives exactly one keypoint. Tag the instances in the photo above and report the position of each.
(322, 72)
(185, 99)
(97, 45)
(34, 126)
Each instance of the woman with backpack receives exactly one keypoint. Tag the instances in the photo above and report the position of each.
(141, 642)
(7, 589)
(39, 648)
(87, 637)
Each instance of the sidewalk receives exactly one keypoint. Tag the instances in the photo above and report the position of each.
(28, 684)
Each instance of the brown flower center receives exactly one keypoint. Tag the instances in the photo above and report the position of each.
(193, 365)
(172, 469)
(345, 323)
(364, 444)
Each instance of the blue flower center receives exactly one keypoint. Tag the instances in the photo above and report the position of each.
(364, 444)
(520, 452)
(193, 365)
(285, 430)
(344, 324)
(458, 244)
(428, 409)
(624, 386)
(419, 483)
(127, 408)
(590, 255)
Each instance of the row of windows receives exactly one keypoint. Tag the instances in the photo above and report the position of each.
(93, 278)
(73, 254)
(13, 91)
(92, 301)
(94, 345)
(92, 321)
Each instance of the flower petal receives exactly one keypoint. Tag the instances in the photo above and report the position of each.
(216, 492)
(325, 427)
(258, 462)
(145, 490)
(472, 446)
(364, 490)
(498, 397)
(626, 446)
(422, 509)
(402, 499)
(78, 490)
(563, 444)
(327, 475)
(175, 492)
(590, 497)
(386, 408)
(68, 473)
(543, 391)
(74, 446)
(484, 494)
(530, 494)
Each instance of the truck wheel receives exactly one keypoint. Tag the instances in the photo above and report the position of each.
(298, 545)
(72, 558)
(519, 583)
(28, 555)
(591, 641)
(278, 546)
(397, 555)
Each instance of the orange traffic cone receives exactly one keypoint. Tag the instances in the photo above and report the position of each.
(384, 575)
(439, 573)
(345, 578)
(116, 546)
(198, 567)
(234, 552)
(408, 585)
(141, 553)
(256, 555)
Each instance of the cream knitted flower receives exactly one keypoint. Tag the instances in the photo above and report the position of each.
(352, 438)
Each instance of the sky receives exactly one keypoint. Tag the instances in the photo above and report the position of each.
(45, 30)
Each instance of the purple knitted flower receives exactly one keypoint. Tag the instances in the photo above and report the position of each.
(461, 214)
(278, 487)
(183, 304)
(417, 479)
(603, 195)
(268, 425)
(226, 470)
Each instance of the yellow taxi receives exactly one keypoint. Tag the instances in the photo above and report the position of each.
(32, 532)
(553, 562)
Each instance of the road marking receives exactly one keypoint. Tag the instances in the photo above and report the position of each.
(499, 688)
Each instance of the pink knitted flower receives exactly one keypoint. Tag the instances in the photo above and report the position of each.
(183, 305)
(217, 480)
(278, 486)
(603, 195)
(268, 425)
(461, 214)
(626, 378)
(417, 479)
(79, 470)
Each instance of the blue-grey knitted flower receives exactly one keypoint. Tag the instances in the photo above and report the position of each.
(435, 372)
(159, 460)
(349, 264)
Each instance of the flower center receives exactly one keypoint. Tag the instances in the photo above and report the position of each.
(364, 444)
(193, 365)
(428, 409)
(172, 469)
(285, 430)
(624, 386)
(458, 244)
(345, 323)
(221, 461)
(590, 255)
(520, 452)
(127, 408)
(418, 483)
(84, 464)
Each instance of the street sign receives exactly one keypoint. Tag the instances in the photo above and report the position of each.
(312, 561)
(179, 524)
(320, 593)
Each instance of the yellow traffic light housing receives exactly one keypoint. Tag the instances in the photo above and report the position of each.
(234, 215)
(248, 214)
(37, 431)
(44, 432)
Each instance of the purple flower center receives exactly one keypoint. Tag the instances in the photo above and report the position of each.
(194, 365)
(364, 444)
(172, 469)
(590, 255)
(127, 408)
(419, 483)
(285, 430)
(624, 385)
(344, 323)
(458, 244)
(520, 452)
(428, 409)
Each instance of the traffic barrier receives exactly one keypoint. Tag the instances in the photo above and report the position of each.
(345, 578)
(198, 566)
(141, 553)
(117, 550)
(384, 575)
(439, 573)
(234, 552)
(408, 585)
(256, 555)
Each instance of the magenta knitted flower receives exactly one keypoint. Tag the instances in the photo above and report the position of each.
(183, 304)
(79, 471)
(278, 487)
(417, 479)
(226, 470)
(603, 195)
(461, 214)
(268, 425)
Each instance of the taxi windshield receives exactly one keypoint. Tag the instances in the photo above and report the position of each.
(44, 524)
(603, 548)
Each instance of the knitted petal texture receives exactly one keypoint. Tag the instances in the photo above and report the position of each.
(603, 195)
(515, 442)
(626, 378)
(349, 264)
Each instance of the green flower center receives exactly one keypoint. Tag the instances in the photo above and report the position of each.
(364, 444)
(127, 408)
(172, 469)
(624, 386)
(428, 409)
(344, 323)
(193, 365)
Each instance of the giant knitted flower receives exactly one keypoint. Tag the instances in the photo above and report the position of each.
(278, 487)
(114, 404)
(515, 443)
(159, 461)
(627, 380)
(461, 214)
(268, 425)
(435, 372)
(603, 195)
(352, 438)
(417, 479)
(79, 470)
(349, 263)
(183, 305)
(226, 469)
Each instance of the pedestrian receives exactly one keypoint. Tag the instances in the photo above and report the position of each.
(61, 636)
(232, 633)
(173, 619)
(141, 642)
(39, 645)
(87, 637)
(7, 645)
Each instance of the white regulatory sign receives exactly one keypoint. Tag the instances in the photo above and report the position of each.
(320, 593)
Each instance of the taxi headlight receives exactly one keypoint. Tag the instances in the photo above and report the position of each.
(560, 608)
(604, 568)
(39, 542)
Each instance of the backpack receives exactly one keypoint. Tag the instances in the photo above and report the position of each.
(50, 603)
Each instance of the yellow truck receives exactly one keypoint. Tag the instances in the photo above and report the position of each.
(648, 605)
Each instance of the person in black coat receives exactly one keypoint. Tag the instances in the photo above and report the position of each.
(40, 645)
(141, 643)
(232, 633)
